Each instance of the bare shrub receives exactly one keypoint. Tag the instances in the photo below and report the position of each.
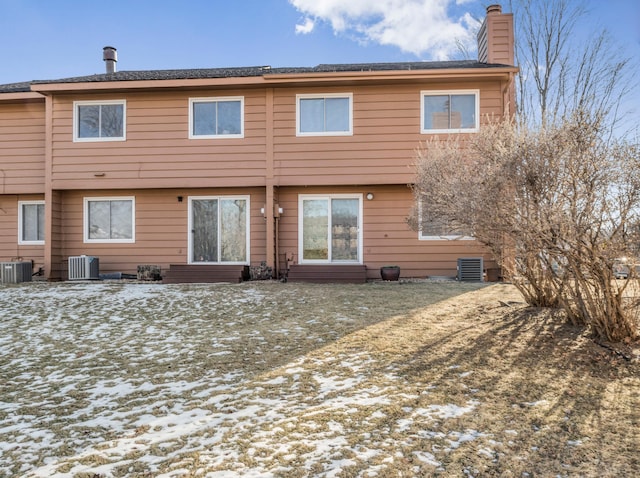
(557, 206)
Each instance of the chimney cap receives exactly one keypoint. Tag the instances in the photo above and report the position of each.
(109, 53)
(493, 9)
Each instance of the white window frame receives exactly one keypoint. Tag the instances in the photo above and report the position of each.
(328, 197)
(300, 97)
(216, 99)
(76, 125)
(85, 221)
(425, 93)
(451, 237)
(190, 260)
(21, 239)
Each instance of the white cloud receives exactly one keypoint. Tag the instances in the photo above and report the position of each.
(306, 27)
(421, 27)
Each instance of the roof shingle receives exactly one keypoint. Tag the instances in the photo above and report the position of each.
(250, 71)
(21, 87)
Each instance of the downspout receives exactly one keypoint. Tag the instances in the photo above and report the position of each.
(271, 242)
(277, 239)
(506, 97)
(51, 273)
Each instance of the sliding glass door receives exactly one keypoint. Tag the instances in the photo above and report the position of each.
(219, 230)
(330, 228)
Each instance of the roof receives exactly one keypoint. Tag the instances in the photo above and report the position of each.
(251, 71)
(16, 87)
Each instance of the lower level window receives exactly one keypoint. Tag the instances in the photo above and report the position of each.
(31, 222)
(432, 228)
(219, 229)
(330, 228)
(109, 219)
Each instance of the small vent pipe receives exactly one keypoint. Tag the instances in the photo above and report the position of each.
(110, 57)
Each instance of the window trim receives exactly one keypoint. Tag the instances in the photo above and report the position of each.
(21, 240)
(329, 197)
(85, 220)
(449, 237)
(76, 127)
(216, 99)
(190, 260)
(425, 93)
(306, 96)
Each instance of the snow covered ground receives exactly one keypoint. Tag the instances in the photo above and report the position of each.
(112, 379)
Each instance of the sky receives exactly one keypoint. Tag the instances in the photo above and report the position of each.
(49, 39)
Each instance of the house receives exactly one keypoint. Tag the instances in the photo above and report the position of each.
(210, 170)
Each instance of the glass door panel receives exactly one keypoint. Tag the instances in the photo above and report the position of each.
(344, 229)
(204, 230)
(315, 223)
(233, 236)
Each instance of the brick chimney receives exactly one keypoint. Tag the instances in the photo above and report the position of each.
(110, 57)
(495, 38)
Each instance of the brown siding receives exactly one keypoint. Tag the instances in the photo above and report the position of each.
(54, 267)
(22, 139)
(502, 51)
(387, 239)
(496, 39)
(386, 132)
(10, 250)
(157, 152)
(8, 227)
(161, 228)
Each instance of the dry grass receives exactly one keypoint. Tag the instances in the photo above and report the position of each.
(269, 379)
(551, 401)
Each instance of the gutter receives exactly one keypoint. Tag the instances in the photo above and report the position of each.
(273, 79)
(498, 72)
(23, 95)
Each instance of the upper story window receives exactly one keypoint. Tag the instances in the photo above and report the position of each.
(109, 219)
(99, 120)
(211, 118)
(31, 222)
(328, 114)
(450, 111)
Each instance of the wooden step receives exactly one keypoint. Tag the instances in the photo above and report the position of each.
(194, 273)
(329, 273)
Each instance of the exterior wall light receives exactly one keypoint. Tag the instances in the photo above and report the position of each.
(369, 196)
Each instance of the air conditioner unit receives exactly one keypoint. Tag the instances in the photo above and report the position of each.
(14, 272)
(470, 269)
(84, 267)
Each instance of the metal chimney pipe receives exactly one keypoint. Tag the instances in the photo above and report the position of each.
(110, 56)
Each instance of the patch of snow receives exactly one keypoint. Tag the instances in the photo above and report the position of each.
(426, 457)
(538, 403)
(456, 439)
